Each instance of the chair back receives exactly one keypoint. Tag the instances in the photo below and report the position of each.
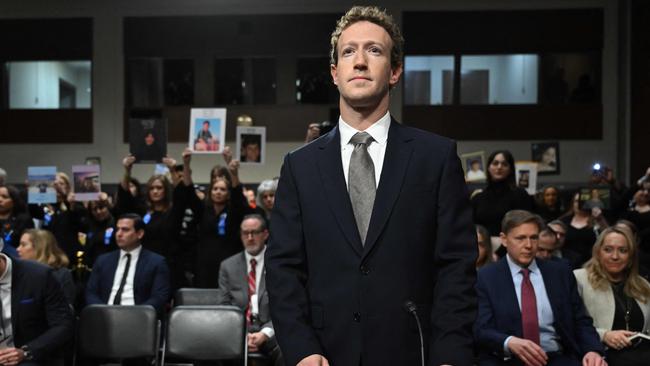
(196, 296)
(117, 332)
(216, 332)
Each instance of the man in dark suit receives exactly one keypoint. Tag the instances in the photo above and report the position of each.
(132, 275)
(530, 311)
(368, 218)
(242, 283)
(36, 321)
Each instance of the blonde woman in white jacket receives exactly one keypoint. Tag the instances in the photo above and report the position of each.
(617, 297)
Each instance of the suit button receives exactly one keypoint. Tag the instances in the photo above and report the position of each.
(364, 270)
(356, 317)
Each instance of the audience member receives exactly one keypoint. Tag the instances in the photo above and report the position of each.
(501, 194)
(546, 322)
(266, 196)
(242, 283)
(40, 246)
(547, 243)
(485, 254)
(560, 229)
(616, 297)
(60, 218)
(549, 206)
(98, 229)
(218, 218)
(162, 216)
(639, 214)
(132, 275)
(582, 228)
(14, 218)
(36, 321)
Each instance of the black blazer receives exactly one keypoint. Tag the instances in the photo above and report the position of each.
(40, 314)
(150, 282)
(332, 296)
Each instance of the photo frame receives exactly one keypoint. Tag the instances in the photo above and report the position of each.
(86, 181)
(207, 130)
(526, 175)
(547, 156)
(595, 197)
(251, 145)
(41, 184)
(148, 139)
(474, 166)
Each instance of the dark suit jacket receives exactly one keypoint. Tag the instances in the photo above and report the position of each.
(233, 286)
(332, 296)
(499, 315)
(151, 280)
(40, 315)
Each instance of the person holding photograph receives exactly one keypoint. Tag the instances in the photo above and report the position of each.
(500, 196)
(583, 226)
(218, 216)
(616, 297)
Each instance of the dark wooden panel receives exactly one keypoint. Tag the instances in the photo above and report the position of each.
(46, 126)
(46, 39)
(557, 30)
(228, 35)
(640, 89)
(508, 122)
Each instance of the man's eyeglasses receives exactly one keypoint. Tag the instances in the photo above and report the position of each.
(246, 233)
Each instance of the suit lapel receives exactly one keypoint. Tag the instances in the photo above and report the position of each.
(242, 279)
(509, 295)
(16, 293)
(396, 161)
(338, 199)
(137, 276)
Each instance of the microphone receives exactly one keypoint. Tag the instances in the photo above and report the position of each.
(412, 309)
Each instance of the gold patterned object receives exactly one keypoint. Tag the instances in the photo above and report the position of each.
(244, 120)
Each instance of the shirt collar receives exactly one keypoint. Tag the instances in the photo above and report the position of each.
(5, 278)
(258, 258)
(134, 252)
(378, 130)
(516, 269)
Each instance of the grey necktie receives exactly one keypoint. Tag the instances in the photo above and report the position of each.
(361, 182)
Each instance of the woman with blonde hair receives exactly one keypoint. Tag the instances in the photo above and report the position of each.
(617, 297)
(40, 246)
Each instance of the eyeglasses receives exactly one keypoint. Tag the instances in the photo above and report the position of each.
(246, 233)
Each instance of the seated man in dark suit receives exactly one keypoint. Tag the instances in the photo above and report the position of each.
(530, 311)
(242, 283)
(132, 275)
(36, 321)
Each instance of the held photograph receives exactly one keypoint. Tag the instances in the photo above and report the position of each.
(547, 157)
(207, 130)
(148, 139)
(251, 144)
(474, 166)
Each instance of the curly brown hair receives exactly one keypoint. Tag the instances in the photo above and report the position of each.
(374, 15)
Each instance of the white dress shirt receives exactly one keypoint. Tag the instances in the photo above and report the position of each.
(6, 338)
(376, 149)
(548, 339)
(128, 297)
(259, 272)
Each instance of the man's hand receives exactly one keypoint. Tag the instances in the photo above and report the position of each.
(593, 359)
(617, 339)
(11, 356)
(527, 351)
(256, 340)
(314, 360)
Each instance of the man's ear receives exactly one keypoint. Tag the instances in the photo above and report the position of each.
(502, 237)
(334, 73)
(395, 75)
(140, 234)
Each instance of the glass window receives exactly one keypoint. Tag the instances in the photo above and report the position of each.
(157, 82)
(48, 84)
(571, 78)
(428, 80)
(314, 81)
(499, 79)
(245, 81)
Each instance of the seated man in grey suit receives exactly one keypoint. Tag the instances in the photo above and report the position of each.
(241, 283)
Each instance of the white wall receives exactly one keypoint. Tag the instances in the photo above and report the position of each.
(108, 87)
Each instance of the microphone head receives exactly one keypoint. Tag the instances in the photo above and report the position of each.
(410, 306)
